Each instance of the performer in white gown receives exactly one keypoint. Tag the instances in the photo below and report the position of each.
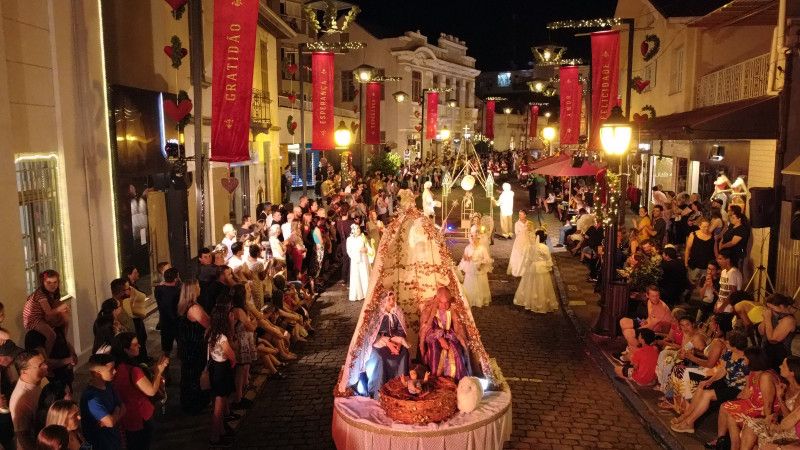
(521, 243)
(358, 252)
(428, 203)
(476, 265)
(506, 203)
(535, 291)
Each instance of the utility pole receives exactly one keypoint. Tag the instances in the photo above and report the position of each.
(198, 78)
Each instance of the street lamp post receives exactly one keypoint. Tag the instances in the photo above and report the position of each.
(343, 137)
(548, 134)
(363, 74)
(615, 137)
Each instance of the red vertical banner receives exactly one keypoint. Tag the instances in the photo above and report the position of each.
(235, 25)
(373, 114)
(431, 114)
(489, 119)
(605, 80)
(533, 124)
(323, 125)
(571, 93)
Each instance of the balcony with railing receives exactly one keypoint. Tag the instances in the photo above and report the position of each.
(747, 79)
(260, 119)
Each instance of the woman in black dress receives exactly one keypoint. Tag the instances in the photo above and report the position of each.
(192, 324)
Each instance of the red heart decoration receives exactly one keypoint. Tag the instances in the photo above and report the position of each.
(644, 47)
(416, 114)
(641, 85)
(177, 111)
(292, 69)
(175, 4)
(230, 184)
(293, 126)
(292, 98)
(640, 118)
(418, 128)
(168, 51)
(354, 127)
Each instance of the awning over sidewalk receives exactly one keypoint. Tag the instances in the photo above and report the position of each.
(755, 118)
(549, 160)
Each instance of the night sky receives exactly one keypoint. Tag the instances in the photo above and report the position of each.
(499, 33)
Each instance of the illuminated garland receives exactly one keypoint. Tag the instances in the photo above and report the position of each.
(585, 23)
(335, 47)
(608, 210)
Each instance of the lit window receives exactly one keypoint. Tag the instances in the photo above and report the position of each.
(416, 85)
(504, 79)
(676, 71)
(39, 215)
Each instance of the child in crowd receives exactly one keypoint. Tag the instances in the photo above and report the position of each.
(642, 368)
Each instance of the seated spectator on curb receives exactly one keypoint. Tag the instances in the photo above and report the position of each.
(101, 408)
(32, 369)
(724, 384)
(749, 314)
(642, 368)
(764, 433)
(659, 319)
(706, 291)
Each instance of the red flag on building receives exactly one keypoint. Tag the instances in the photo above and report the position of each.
(373, 114)
(534, 121)
(605, 80)
(431, 114)
(323, 125)
(235, 26)
(571, 93)
(489, 119)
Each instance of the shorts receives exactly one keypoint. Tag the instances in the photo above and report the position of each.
(723, 391)
(627, 370)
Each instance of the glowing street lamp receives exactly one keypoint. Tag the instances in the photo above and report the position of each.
(548, 134)
(364, 73)
(507, 110)
(444, 134)
(400, 96)
(452, 103)
(342, 136)
(615, 133)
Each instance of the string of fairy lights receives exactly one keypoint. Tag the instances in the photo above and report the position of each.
(585, 23)
(607, 212)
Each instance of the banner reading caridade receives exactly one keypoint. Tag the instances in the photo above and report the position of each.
(235, 26)
(534, 121)
(571, 93)
(431, 114)
(373, 114)
(322, 121)
(489, 119)
(605, 80)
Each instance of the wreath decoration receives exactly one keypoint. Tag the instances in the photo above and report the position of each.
(649, 110)
(650, 46)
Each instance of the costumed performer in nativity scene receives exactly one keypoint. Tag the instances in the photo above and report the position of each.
(506, 203)
(476, 265)
(535, 291)
(443, 338)
(428, 203)
(358, 252)
(521, 243)
(389, 357)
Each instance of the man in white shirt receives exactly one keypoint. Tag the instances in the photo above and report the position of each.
(230, 237)
(286, 228)
(24, 400)
(730, 280)
(236, 261)
(275, 245)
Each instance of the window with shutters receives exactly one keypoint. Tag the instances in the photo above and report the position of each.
(676, 71)
(348, 86)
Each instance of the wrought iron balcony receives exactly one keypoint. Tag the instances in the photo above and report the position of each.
(260, 119)
(747, 79)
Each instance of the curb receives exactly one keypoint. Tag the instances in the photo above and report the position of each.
(654, 426)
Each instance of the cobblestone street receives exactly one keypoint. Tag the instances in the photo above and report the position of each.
(560, 398)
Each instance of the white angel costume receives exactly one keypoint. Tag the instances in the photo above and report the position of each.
(506, 203)
(358, 251)
(476, 265)
(428, 203)
(535, 291)
(521, 243)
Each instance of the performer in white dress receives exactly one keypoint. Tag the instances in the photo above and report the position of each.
(428, 203)
(506, 203)
(476, 265)
(535, 291)
(521, 243)
(358, 252)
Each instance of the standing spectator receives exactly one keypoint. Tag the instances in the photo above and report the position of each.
(167, 295)
(730, 280)
(120, 293)
(230, 237)
(67, 414)
(659, 231)
(138, 308)
(343, 232)
(206, 271)
(699, 250)
(101, 408)
(246, 227)
(192, 324)
(221, 364)
(53, 437)
(734, 239)
(135, 389)
(43, 309)
(32, 368)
